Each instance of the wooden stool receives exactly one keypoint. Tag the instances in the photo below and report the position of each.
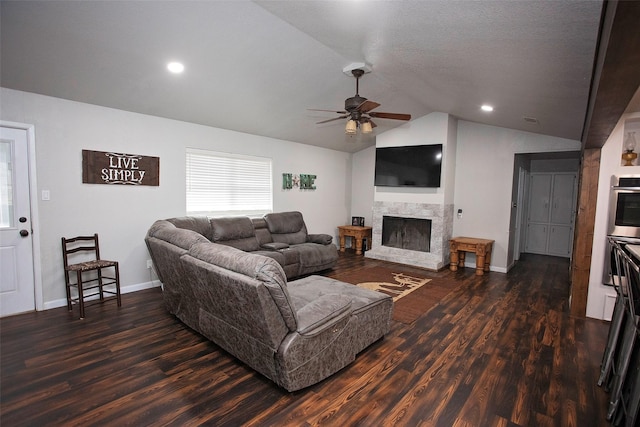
(482, 248)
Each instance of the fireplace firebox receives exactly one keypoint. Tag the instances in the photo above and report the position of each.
(406, 233)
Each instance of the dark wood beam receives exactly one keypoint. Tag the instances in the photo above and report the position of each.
(616, 79)
(616, 71)
(585, 221)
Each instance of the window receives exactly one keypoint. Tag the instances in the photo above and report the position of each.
(222, 184)
(6, 185)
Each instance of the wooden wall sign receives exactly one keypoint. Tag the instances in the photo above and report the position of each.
(100, 167)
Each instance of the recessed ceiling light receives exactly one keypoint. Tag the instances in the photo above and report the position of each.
(487, 108)
(175, 67)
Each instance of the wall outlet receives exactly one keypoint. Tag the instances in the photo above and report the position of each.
(149, 265)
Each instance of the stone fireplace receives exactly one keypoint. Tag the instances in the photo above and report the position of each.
(414, 223)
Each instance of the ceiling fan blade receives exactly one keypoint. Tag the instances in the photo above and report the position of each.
(329, 111)
(367, 106)
(394, 116)
(331, 120)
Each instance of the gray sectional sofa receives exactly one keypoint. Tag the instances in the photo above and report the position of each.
(296, 333)
(282, 236)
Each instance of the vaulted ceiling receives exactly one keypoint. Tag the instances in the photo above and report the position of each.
(257, 67)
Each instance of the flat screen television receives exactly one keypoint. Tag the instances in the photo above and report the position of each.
(409, 166)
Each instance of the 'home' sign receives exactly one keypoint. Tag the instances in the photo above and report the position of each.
(99, 167)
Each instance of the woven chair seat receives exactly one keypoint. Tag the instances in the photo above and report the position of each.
(91, 265)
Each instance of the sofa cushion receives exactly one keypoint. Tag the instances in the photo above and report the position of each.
(310, 288)
(273, 277)
(255, 266)
(199, 224)
(262, 231)
(287, 227)
(325, 310)
(315, 256)
(275, 246)
(288, 260)
(181, 237)
(235, 231)
(321, 239)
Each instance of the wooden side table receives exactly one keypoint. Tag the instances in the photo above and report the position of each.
(482, 248)
(356, 232)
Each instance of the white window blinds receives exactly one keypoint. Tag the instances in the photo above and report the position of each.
(222, 184)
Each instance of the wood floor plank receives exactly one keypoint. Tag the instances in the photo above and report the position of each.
(498, 350)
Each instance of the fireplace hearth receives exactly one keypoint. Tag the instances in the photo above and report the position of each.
(412, 234)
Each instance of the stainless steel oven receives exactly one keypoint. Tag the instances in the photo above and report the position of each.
(624, 216)
(624, 207)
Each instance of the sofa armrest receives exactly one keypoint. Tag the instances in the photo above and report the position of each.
(323, 239)
(322, 313)
(274, 246)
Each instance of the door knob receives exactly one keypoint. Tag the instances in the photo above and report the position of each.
(24, 233)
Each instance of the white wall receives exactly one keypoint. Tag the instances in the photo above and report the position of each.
(484, 177)
(122, 214)
(362, 178)
(610, 164)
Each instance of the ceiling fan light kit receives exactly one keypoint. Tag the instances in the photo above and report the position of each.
(358, 109)
(352, 127)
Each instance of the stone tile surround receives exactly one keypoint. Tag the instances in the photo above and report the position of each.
(441, 217)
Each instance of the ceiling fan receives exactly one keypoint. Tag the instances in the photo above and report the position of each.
(358, 111)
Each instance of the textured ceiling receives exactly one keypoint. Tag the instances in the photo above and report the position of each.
(257, 67)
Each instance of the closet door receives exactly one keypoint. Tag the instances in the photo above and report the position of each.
(560, 240)
(551, 214)
(538, 218)
(537, 236)
(539, 198)
(562, 215)
(562, 199)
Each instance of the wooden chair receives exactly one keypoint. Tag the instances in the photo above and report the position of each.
(81, 255)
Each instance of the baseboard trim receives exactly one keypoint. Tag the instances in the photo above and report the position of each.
(123, 290)
(491, 267)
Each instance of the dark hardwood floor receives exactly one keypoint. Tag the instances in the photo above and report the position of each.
(501, 350)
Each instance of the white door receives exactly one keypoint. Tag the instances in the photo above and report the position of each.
(538, 220)
(551, 213)
(564, 186)
(537, 238)
(539, 197)
(523, 180)
(17, 287)
(560, 240)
